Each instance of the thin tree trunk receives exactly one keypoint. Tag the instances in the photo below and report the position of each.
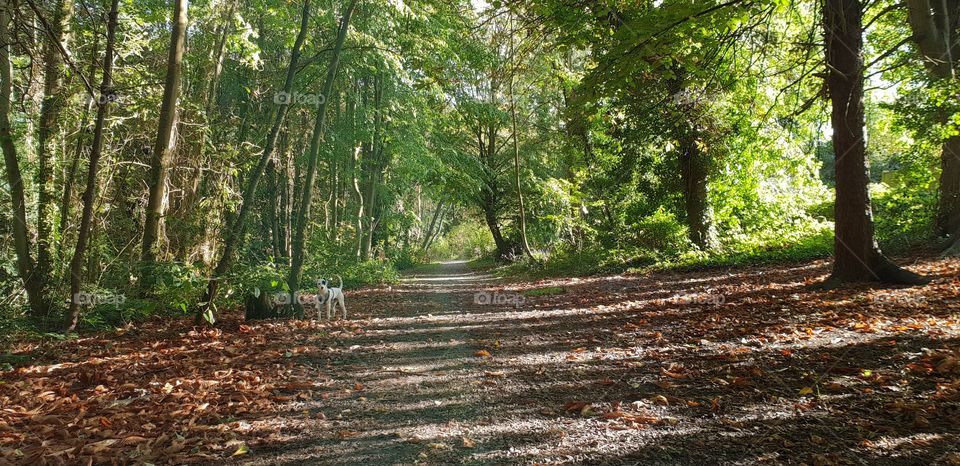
(89, 196)
(300, 224)
(516, 148)
(70, 178)
(359, 194)
(433, 223)
(335, 214)
(210, 94)
(436, 234)
(21, 235)
(232, 238)
(165, 142)
(857, 255)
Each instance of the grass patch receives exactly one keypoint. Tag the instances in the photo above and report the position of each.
(548, 291)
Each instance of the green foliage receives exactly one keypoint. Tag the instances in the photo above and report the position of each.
(467, 240)
(548, 291)
(371, 272)
(177, 286)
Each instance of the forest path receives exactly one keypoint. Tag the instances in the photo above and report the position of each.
(414, 385)
(709, 367)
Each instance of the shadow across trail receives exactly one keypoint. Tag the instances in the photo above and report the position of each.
(408, 379)
(730, 367)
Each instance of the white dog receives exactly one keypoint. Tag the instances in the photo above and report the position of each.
(331, 297)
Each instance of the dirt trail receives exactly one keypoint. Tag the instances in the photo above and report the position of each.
(422, 383)
(745, 366)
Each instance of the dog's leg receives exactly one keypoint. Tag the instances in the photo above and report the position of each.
(343, 305)
(329, 315)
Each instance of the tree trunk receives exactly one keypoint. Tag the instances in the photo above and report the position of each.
(300, 224)
(71, 176)
(436, 234)
(166, 141)
(48, 144)
(21, 236)
(232, 239)
(935, 24)
(516, 148)
(693, 175)
(948, 213)
(433, 223)
(857, 255)
(490, 216)
(89, 196)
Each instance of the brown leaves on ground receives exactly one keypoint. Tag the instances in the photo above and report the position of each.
(742, 365)
(758, 353)
(157, 393)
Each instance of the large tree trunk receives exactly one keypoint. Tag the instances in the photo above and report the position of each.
(21, 235)
(48, 143)
(693, 163)
(488, 203)
(303, 214)
(166, 140)
(83, 235)
(935, 24)
(232, 239)
(857, 255)
(948, 212)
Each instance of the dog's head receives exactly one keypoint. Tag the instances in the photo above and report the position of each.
(323, 285)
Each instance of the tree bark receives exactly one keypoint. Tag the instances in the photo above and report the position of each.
(232, 239)
(693, 175)
(165, 142)
(935, 24)
(71, 176)
(433, 223)
(89, 196)
(300, 225)
(488, 203)
(857, 255)
(21, 235)
(48, 144)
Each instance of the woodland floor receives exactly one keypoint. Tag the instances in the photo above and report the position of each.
(740, 366)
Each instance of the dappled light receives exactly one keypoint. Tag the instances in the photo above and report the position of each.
(480, 232)
(608, 370)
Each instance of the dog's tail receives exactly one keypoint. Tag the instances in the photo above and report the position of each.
(341, 281)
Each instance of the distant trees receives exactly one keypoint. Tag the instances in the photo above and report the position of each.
(610, 133)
